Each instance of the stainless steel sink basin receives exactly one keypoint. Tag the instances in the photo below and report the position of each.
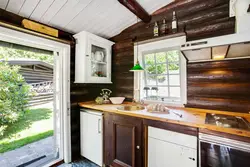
(131, 108)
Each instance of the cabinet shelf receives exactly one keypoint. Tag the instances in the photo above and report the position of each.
(98, 62)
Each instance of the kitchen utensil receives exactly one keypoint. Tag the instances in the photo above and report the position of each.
(117, 100)
(99, 56)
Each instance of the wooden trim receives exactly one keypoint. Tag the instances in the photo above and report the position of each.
(211, 53)
(137, 9)
(172, 127)
(13, 27)
(228, 48)
(145, 145)
(57, 163)
(34, 26)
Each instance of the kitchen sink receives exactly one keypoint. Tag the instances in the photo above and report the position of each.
(131, 108)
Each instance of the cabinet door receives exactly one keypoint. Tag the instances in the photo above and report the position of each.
(98, 61)
(123, 147)
(91, 137)
(165, 154)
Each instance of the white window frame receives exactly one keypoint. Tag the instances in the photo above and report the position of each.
(12, 36)
(152, 47)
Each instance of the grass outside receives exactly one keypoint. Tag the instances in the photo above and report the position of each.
(36, 124)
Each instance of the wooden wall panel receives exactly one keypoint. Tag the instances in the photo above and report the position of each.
(197, 18)
(219, 85)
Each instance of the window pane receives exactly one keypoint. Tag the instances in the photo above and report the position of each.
(174, 80)
(173, 68)
(173, 55)
(151, 80)
(162, 80)
(175, 91)
(149, 59)
(163, 92)
(161, 57)
(161, 69)
(151, 69)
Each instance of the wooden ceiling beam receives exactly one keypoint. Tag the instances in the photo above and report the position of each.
(137, 9)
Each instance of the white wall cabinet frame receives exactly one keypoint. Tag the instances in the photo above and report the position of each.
(87, 68)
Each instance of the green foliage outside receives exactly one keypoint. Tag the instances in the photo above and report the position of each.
(10, 53)
(160, 66)
(14, 95)
(35, 125)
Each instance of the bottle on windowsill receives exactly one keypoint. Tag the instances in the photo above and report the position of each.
(163, 27)
(174, 23)
(156, 30)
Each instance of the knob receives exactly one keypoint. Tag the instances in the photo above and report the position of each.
(138, 147)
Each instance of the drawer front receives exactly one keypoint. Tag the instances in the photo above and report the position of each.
(173, 137)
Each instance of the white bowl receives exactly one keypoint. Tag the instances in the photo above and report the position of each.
(117, 100)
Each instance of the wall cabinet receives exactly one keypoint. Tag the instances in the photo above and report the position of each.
(92, 59)
(123, 141)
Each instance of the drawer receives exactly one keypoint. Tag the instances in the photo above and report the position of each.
(173, 137)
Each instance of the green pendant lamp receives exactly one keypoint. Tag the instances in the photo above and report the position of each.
(137, 67)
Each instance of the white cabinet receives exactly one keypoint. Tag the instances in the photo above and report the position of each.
(171, 149)
(92, 136)
(92, 58)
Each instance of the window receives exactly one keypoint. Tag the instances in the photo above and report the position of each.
(162, 76)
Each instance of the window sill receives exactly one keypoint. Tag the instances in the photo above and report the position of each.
(168, 103)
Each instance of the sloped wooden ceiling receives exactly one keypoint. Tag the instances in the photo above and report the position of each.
(102, 17)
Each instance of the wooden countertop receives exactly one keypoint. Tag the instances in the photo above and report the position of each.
(190, 116)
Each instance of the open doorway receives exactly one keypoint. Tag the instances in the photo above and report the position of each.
(34, 127)
(28, 112)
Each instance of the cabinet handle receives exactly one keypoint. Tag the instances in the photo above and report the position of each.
(87, 55)
(138, 147)
(99, 121)
(191, 158)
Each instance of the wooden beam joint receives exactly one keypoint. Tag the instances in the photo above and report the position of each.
(137, 9)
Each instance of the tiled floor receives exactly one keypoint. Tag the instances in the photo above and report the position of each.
(28, 153)
(82, 163)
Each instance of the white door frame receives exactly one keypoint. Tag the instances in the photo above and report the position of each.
(21, 38)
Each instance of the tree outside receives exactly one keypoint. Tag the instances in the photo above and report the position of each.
(14, 95)
(156, 64)
(9, 53)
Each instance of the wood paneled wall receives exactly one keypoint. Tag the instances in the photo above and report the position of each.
(219, 85)
(197, 18)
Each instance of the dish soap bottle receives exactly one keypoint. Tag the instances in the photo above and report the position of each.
(156, 30)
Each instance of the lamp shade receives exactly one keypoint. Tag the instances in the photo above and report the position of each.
(137, 68)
